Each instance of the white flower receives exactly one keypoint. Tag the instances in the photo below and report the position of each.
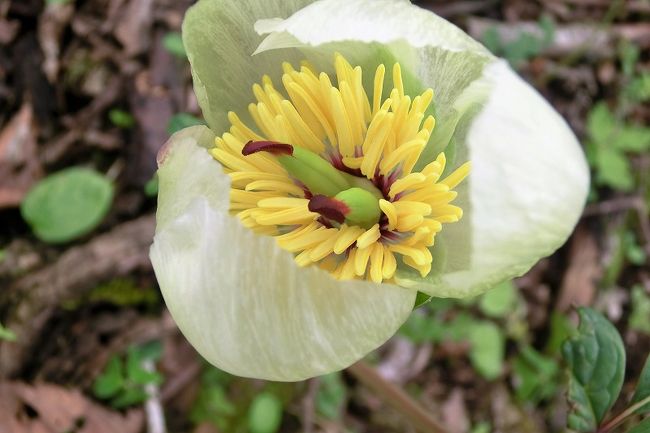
(230, 280)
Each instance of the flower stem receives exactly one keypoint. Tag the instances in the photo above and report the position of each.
(607, 427)
(396, 397)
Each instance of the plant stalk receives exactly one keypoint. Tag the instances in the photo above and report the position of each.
(396, 397)
(614, 422)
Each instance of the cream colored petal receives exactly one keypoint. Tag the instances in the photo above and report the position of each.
(240, 299)
(219, 40)
(433, 52)
(382, 21)
(524, 196)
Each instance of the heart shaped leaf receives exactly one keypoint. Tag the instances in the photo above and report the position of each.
(596, 359)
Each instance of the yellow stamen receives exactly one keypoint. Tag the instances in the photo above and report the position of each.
(375, 141)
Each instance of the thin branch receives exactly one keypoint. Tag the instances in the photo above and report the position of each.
(153, 407)
(397, 398)
(611, 424)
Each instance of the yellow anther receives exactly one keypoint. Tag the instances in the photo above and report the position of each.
(365, 147)
(371, 236)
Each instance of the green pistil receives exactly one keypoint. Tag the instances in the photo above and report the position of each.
(357, 196)
(363, 207)
(314, 172)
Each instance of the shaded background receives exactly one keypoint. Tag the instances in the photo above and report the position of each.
(85, 340)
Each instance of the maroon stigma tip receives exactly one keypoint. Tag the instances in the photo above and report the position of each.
(273, 147)
(330, 208)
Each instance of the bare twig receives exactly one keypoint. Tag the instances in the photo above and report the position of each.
(568, 39)
(34, 298)
(611, 424)
(623, 204)
(152, 407)
(180, 381)
(308, 405)
(397, 398)
(618, 204)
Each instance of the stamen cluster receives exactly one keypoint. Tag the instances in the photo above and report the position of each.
(371, 146)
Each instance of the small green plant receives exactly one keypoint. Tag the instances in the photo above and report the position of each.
(596, 367)
(121, 119)
(486, 339)
(535, 375)
(640, 302)
(213, 404)
(182, 120)
(265, 413)
(525, 46)
(7, 334)
(609, 142)
(173, 42)
(331, 396)
(67, 204)
(151, 187)
(123, 381)
(636, 85)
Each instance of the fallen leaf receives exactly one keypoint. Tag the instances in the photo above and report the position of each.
(19, 163)
(53, 22)
(579, 282)
(46, 408)
(133, 30)
(454, 412)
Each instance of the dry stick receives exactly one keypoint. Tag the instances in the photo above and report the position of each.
(396, 397)
(621, 416)
(35, 296)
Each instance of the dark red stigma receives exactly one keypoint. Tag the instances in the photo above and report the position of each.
(273, 147)
(330, 208)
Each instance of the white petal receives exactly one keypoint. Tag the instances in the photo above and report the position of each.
(219, 40)
(527, 189)
(382, 21)
(432, 52)
(240, 299)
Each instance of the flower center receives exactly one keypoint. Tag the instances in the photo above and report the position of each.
(329, 173)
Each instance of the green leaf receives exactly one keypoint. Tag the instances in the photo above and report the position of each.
(639, 88)
(151, 187)
(173, 42)
(642, 427)
(642, 390)
(499, 301)
(212, 404)
(640, 310)
(265, 414)
(596, 359)
(534, 375)
(561, 329)
(614, 169)
(331, 396)
(492, 40)
(181, 121)
(129, 397)
(111, 381)
(633, 139)
(7, 334)
(421, 299)
(487, 349)
(151, 350)
(67, 204)
(581, 416)
(135, 370)
(481, 427)
(629, 55)
(420, 328)
(121, 119)
(547, 24)
(601, 124)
